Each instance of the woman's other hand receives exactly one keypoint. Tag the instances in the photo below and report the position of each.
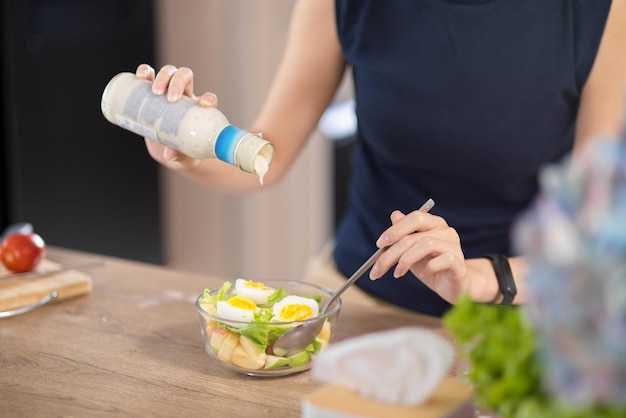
(431, 249)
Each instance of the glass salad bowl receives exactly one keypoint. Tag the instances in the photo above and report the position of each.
(240, 321)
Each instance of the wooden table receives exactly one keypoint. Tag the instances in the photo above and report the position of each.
(132, 347)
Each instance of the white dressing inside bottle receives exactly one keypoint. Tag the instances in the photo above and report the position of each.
(184, 125)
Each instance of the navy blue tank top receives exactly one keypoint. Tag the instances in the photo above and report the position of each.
(462, 102)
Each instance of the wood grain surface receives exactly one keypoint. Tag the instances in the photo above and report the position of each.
(132, 347)
(23, 291)
(451, 399)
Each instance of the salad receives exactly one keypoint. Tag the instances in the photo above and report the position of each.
(240, 323)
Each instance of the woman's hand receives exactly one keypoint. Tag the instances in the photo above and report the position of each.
(174, 82)
(427, 246)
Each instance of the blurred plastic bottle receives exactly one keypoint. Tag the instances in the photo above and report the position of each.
(196, 131)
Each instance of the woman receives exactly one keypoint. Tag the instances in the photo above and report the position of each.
(459, 101)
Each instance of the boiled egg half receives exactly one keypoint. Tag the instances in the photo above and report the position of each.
(236, 308)
(294, 308)
(257, 292)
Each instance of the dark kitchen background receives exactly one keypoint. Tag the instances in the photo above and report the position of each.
(86, 184)
(82, 182)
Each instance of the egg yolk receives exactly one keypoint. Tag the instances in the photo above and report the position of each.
(296, 312)
(242, 302)
(256, 285)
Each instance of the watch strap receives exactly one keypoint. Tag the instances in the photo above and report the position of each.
(504, 275)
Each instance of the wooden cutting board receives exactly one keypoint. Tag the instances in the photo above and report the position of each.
(452, 399)
(20, 292)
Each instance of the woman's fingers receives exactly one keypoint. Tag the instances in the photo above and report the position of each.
(413, 252)
(428, 247)
(162, 80)
(437, 261)
(208, 100)
(391, 256)
(396, 216)
(403, 225)
(169, 156)
(446, 261)
(177, 160)
(413, 241)
(174, 82)
(145, 71)
(180, 83)
(423, 249)
(447, 275)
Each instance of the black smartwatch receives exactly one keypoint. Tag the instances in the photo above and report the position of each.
(506, 282)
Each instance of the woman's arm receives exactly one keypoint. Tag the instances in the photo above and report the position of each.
(603, 98)
(307, 78)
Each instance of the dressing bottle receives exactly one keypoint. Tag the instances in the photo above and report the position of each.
(184, 125)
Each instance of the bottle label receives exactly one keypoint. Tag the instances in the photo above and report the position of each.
(153, 116)
(226, 143)
(135, 127)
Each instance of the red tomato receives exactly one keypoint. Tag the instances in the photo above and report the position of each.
(22, 252)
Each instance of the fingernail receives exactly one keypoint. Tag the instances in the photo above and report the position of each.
(208, 100)
(383, 241)
(158, 87)
(397, 273)
(374, 273)
(172, 94)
